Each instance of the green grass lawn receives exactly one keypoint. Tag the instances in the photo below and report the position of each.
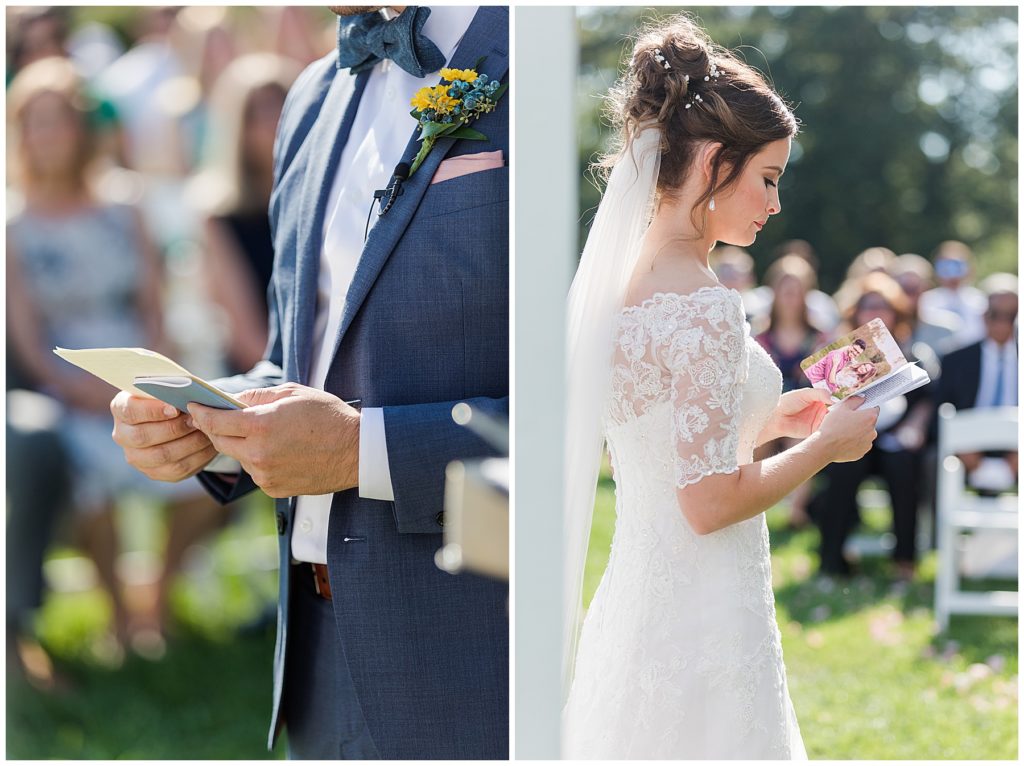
(869, 676)
(209, 697)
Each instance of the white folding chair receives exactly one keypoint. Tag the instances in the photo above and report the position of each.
(974, 430)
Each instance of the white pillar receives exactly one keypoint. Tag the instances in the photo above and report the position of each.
(546, 251)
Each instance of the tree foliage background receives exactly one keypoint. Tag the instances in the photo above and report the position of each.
(909, 122)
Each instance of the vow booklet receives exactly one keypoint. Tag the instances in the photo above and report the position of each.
(146, 373)
(143, 372)
(868, 363)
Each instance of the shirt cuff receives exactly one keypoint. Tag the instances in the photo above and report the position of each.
(374, 471)
(223, 464)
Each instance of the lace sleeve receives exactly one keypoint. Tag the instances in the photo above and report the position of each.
(706, 357)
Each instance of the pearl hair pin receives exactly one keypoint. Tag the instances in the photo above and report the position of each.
(695, 98)
(661, 59)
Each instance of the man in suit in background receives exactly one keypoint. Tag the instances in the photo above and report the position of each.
(955, 295)
(984, 374)
(379, 653)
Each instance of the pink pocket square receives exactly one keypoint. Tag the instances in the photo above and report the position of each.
(466, 164)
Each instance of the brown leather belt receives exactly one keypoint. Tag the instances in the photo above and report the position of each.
(321, 582)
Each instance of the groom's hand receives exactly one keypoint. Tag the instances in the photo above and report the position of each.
(291, 439)
(157, 439)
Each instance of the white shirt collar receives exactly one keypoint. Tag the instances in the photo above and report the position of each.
(991, 348)
(447, 24)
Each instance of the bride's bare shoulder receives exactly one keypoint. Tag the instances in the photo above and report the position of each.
(647, 286)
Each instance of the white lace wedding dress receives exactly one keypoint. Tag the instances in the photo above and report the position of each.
(680, 653)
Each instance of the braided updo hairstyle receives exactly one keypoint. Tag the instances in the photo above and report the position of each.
(737, 109)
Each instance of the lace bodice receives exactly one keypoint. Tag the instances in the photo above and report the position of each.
(694, 352)
(680, 655)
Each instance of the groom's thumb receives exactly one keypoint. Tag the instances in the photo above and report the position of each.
(255, 396)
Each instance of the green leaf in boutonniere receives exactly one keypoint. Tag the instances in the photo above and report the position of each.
(448, 108)
(467, 133)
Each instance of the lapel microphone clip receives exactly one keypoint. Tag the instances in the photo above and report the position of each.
(391, 194)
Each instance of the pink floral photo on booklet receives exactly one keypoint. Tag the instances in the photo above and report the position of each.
(856, 362)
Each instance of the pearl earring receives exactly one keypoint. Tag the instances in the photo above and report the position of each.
(711, 204)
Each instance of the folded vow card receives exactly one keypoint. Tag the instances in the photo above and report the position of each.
(128, 368)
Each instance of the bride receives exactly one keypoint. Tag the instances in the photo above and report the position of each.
(679, 655)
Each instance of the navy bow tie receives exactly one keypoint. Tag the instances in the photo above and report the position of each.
(367, 38)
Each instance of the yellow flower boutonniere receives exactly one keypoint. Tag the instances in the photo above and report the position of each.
(448, 108)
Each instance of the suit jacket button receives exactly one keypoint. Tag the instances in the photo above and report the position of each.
(440, 519)
(282, 523)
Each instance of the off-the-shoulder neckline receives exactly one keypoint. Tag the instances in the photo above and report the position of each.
(662, 295)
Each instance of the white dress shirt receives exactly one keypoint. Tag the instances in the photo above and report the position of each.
(379, 135)
(990, 353)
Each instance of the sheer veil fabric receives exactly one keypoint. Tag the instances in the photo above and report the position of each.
(596, 296)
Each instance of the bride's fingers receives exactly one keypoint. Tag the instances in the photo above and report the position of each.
(816, 394)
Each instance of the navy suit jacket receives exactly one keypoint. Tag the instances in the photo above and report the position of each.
(961, 377)
(425, 326)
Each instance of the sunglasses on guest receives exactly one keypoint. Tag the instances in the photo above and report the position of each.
(1000, 316)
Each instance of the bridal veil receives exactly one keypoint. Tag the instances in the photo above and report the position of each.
(595, 298)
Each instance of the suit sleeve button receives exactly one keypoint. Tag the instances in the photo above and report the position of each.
(440, 519)
(282, 523)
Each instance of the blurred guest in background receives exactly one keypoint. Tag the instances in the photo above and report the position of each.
(789, 338)
(34, 33)
(820, 305)
(915, 274)
(869, 260)
(296, 34)
(205, 46)
(37, 488)
(896, 454)
(865, 262)
(930, 339)
(985, 374)
(134, 83)
(954, 269)
(82, 273)
(790, 335)
(735, 269)
(798, 247)
(234, 189)
(94, 46)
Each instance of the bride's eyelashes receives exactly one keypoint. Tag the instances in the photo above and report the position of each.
(770, 182)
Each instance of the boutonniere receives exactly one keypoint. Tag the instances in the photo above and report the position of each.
(448, 108)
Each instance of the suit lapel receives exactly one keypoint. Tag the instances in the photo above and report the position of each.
(972, 378)
(487, 35)
(332, 129)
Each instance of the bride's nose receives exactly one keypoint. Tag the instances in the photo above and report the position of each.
(774, 203)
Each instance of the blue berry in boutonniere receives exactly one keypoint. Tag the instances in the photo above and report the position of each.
(448, 108)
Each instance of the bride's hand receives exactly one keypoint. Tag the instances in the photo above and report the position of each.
(848, 432)
(800, 412)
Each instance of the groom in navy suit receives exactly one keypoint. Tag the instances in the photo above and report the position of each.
(379, 654)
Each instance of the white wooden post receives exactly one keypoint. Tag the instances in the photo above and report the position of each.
(546, 176)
